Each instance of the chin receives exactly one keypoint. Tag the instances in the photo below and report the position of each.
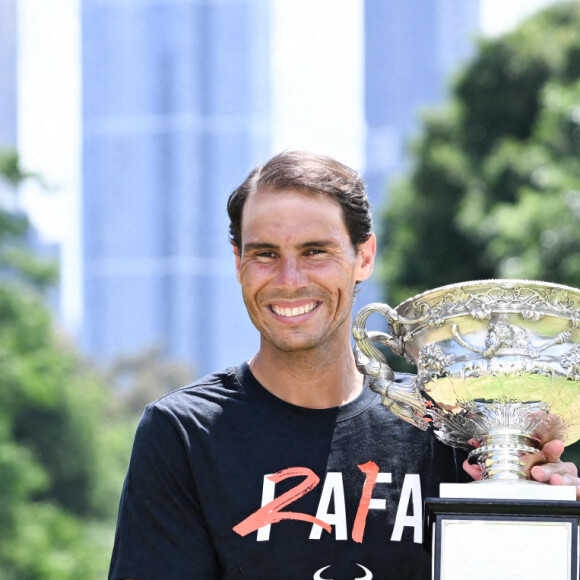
(295, 345)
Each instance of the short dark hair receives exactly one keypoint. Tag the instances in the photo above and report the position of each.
(309, 172)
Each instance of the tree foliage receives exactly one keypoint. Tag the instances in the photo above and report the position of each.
(494, 187)
(57, 502)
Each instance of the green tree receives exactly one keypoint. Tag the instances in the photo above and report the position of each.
(55, 512)
(494, 186)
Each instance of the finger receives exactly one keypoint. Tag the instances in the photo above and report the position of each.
(540, 474)
(553, 450)
(474, 471)
(531, 459)
(563, 471)
(559, 479)
(556, 474)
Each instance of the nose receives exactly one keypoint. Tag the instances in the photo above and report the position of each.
(290, 273)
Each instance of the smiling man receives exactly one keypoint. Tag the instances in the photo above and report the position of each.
(286, 466)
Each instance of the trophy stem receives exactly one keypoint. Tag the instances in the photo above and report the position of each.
(506, 455)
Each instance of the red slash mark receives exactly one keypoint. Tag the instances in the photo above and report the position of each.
(371, 471)
(271, 514)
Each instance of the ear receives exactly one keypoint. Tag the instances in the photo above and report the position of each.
(366, 258)
(238, 262)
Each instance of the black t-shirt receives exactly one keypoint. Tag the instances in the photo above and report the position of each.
(227, 481)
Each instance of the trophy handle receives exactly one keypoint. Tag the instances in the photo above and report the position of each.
(403, 399)
(376, 363)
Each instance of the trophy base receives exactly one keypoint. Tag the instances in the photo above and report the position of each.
(511, 539)
(515, 490)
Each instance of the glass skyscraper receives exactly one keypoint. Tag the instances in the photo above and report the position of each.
(8, 73)
(176, 97)
(411, 49)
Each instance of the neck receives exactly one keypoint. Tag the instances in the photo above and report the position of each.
(312, 379)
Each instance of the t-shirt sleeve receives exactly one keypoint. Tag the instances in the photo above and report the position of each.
(161, 533)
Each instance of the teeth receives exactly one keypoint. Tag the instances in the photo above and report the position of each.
(294, 311)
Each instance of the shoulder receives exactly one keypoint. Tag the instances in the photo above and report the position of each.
(206, 396)
(219, 384)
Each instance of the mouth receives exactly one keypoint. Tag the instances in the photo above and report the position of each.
(293, 311)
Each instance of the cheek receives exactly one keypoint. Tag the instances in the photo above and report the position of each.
(338, 277)
(241, 273)
(252, 277)
(244, 268)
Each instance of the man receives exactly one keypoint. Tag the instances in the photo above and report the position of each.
(286, 466)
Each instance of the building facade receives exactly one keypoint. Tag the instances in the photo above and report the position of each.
(175, 113)
(8, 73)
(412, 49)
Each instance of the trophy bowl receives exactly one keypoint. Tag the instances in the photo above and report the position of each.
(498, 368)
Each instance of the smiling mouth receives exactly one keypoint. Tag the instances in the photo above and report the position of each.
(296, 311)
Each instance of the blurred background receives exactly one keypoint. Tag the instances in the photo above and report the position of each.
(126, 124)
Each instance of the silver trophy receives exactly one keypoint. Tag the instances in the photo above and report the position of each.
(498, 374)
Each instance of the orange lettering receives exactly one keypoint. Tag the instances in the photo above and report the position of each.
(371, 471)
(271, 514)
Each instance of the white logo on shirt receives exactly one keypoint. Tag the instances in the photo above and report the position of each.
(368, 574)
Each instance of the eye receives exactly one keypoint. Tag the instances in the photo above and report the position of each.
(315, 253)
(265, 256)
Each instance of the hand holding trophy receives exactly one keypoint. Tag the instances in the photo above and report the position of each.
(498, 373)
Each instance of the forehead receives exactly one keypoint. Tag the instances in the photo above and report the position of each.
(268, 198)
(290, 208)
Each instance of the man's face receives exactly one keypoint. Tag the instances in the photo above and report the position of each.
(298, 269)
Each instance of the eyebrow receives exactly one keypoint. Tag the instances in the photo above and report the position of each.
(257, 246)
